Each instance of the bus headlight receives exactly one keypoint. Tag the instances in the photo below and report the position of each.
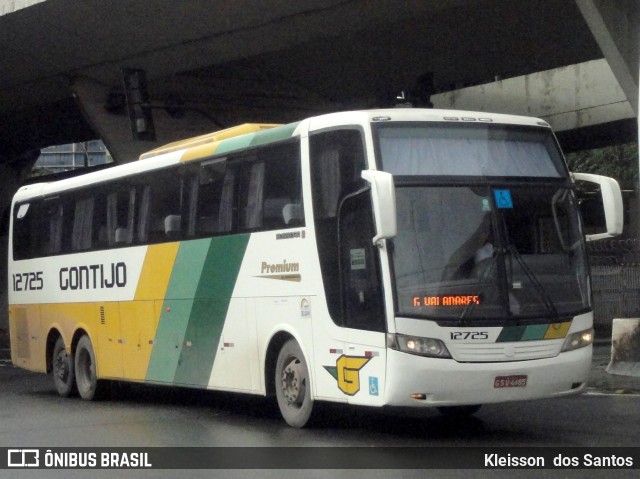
(416, 345)
(578, 340)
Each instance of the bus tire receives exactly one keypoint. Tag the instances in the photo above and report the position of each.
(459, 411)
(86, 373)
(63, 369)
(293, 386)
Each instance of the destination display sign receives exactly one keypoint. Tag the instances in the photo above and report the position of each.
(447, 300)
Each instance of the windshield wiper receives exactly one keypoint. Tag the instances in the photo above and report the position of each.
(481, 280)
(546, 299)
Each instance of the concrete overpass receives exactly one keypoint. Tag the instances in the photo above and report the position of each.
(572, 62)
(277, 61)
(584, 103)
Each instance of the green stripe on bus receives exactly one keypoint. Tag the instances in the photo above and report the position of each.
(176, 310)
(274, 134)
(193, 313)
(255, 139)
(511, 333)
(535, 332)
(211, 304)
(232, 144)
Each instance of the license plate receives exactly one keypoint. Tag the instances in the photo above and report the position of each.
(517, 381)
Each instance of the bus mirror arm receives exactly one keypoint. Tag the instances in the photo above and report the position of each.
(383, 198)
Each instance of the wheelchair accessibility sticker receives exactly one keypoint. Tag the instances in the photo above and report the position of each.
(503, 198)
(373, 386)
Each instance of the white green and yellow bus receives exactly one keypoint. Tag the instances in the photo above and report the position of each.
(399, 257)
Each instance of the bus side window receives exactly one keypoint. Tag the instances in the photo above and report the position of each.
(211, 192)
(22, 226)
(226, 216)
(99, 233)
(253, 190)
(82, 233)
(28, 239)
(55, 226)
(283, 188)
(120, 216)
(159, 208)
(273, 188)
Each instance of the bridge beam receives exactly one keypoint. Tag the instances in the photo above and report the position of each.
(580, 96)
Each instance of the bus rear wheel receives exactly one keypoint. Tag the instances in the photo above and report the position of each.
(293, 387)
(86, 374)
(63, 370)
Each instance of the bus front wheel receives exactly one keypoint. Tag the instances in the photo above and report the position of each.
(293, 387)
(62, 368)
(85, 366)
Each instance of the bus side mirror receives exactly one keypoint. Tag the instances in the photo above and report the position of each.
(383, 197)
(601, 211)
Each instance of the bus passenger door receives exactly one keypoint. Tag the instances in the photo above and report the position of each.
(362, 369)
(350, 344)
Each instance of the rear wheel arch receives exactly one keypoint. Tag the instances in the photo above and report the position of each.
(52, 337)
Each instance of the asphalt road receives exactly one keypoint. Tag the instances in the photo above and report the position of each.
(32, 415)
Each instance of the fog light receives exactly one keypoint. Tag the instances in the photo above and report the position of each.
(421, 396)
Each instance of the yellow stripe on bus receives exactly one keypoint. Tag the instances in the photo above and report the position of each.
(557, 330)
(201, 151)
(205, 145)
(156, 271)
(139, 318)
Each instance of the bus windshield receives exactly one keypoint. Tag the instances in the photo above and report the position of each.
(460, 254)
(502, 243)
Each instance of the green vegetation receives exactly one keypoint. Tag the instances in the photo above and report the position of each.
(617, 161)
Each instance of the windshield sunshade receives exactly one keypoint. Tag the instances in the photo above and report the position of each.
(468, 150)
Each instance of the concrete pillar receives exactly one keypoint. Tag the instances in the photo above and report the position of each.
(615, 25)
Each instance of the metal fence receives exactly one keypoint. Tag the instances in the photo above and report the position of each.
(615, 273)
